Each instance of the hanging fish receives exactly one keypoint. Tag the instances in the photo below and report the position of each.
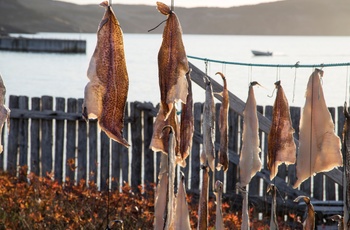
(187, 126)
(172, 63)
(218, 189)
(169, 224)
(208, 153)
(106, 93)
(273, 219)
(161, 194)
(340, 220)
(346, 181)
(281, 146)
(245, 209)
(319, 146)
(249, 162)
(4, 111)
(223, 126)
(309, 222)
(203, 200)
(182, 218)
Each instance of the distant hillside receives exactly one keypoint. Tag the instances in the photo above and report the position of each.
(289, 17)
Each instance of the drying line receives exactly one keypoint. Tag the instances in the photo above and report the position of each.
(297, 65)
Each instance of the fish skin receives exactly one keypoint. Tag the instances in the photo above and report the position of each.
(203, 200)
(309, 222)
(106, 93)
(245, 208)
(161, 194)
(187, 124)
(273, 217)
(223, 126)
(208, 153)
(219, 222)
(346, 185)
(249, 162)
(281, 145)
(182, 218)
(172, 62)
(4, 111)
(316, 134)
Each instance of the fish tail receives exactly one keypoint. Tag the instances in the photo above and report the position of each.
(163, 8)
(104, 4)
(221, 74)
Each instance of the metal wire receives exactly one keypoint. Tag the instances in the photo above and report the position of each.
(297, 65)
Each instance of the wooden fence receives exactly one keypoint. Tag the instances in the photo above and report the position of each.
(49, 136)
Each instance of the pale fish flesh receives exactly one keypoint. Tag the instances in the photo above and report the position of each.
(223, 126)
(187, 126)
(106, 93)
(249, 162)
(309, 222)
(281, 146)
(4, 111)
(208, 153)
(219, 221)
(203, 200)
(182, 218)
(319, 146)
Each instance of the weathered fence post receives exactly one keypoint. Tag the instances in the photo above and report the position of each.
(46, 144)
(148, 153)
(70, 141)
(35, 139)
(59, 141)
(195, 164)
(92, 150)
(104, 162)
(136, 140)
(231, 175)
(12, 151)
(23, 133)
(82, 145)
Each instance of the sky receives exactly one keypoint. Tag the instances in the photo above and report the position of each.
(181, 3)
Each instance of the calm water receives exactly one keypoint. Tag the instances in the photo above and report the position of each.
(64, 75)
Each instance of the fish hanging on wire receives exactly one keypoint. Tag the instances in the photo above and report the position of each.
(208, 153)
(249, 162)
(309, 222)
(346, 176)
(319, 146)
(218, 190)
(223, 126)
(4, 111)
(106, 92)
(281, 146)
(187, 124)
(172, 68)
(203, 199)
(182, 218)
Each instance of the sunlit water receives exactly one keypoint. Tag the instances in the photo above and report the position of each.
(64, 75)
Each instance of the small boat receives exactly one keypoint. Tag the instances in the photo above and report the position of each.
(261, 53)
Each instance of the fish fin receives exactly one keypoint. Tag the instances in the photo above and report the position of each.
(104, 21)
(221, 94)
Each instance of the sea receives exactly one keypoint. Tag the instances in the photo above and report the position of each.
(64, 75)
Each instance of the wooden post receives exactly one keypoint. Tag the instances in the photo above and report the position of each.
(35, 139)
(82, 145)
(13, 138)
(125, 151)
(59, 140)
(92, 150)
(136, 139)
(70, 141)
(46, 144)
(148, 153)
(23, 133)
(231, 175)
(340, 126)
(195, 162)
(104, 175)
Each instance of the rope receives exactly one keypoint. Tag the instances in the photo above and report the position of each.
(297, 65)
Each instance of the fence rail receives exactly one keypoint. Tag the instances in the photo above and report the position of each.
(49, 136)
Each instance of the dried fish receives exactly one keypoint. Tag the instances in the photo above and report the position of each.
(309, 222)
(4, 111)
(346, 185)
(273, 218)
(182, 218)
(208, 153)
(245, 208)
(219, 222)
(319, 146)
(187, 126)
(281, 146)
(106, 93)
(161, 194)
(172, 62)
(203, 200)
(249, 162)
(223, 126)
(340, 220)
